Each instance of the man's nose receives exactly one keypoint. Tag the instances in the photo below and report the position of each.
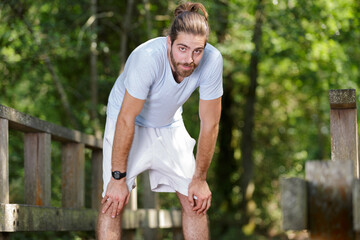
(190, 58)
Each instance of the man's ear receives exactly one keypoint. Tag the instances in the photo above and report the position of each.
(168, 42)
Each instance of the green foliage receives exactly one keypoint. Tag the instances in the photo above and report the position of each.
(308, 47)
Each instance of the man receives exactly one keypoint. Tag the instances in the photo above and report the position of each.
(144, 128)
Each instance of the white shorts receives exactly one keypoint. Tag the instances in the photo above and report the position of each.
(166, 152)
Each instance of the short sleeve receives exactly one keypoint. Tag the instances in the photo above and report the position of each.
(140, 73)
(211, 86)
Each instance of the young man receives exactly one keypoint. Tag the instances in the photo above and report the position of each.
(144, 128)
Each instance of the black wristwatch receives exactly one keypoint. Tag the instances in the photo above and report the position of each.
(118, 175)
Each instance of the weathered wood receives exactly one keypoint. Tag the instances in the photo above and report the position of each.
(344, 136)
(26, 123)
(343, 127)
(294, 204)
(4, 167)
(149, 200)
(96, 178)
(330, 199)
(131, 206)
(4, 161)
(37, 161)
(73, 178)
(152, 218)
(178, 234)
(342, 98)
(17, 217)
(4, 236)
(356, 204)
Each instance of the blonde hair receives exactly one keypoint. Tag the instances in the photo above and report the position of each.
(189, 20)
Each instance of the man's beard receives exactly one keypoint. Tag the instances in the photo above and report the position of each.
(178, 70)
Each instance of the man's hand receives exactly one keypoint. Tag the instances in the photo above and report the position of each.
(200, 190)
(116, 197)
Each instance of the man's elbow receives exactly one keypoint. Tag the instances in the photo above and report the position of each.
(210, 126)
(126, 120)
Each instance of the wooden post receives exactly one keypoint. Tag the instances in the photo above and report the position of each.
(344, 135)
(132, 205)
(4, 161)
(343, 127)
(149, 201)
(356, 204)
(330, 199)
(4, 236)
(294, 204)
(333, 190)
(4, 166)
(96, 178)
(330, 183)
(73, 179)
(37, 148)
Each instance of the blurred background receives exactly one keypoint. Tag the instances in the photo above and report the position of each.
(59, 60)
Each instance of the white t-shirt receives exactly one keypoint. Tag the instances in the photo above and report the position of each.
(148, 76)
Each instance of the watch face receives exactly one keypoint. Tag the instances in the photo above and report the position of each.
(118, 175)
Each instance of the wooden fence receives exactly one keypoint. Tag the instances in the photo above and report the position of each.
(37, 214)
(327, 201)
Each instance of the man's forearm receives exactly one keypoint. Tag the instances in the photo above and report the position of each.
(205, 150)
(123, 138)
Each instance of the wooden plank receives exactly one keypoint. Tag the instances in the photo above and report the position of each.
(96, 178)
(131, 206)
(17, 217)
(356, 204)
(152, 218)
(343, 127)
(26, 123)
(344, 136)
(150, 201)
(178, 234)
(4, 161)
(4, 167)
(37, 162)
(73, 178)
(4, 236)
(294, 204)
(330, 199)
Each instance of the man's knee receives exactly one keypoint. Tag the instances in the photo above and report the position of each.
(187, 209)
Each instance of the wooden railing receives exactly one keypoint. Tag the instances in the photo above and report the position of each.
(37, 214)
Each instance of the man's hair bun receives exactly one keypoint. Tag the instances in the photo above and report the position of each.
(191, 7)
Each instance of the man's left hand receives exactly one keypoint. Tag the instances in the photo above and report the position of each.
(199, 196)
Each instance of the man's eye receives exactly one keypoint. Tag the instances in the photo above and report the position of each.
(182, 49)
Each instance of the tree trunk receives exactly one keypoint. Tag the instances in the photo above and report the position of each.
(94, 72)
(60, 89)
(124, 37)
(247, 142)
(148, 18)
(226, 165)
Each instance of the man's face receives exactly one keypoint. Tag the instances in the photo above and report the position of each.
(185, 54)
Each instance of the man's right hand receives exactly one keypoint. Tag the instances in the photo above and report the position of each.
(116, 197)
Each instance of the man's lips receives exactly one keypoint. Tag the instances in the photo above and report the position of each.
(187, 67)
